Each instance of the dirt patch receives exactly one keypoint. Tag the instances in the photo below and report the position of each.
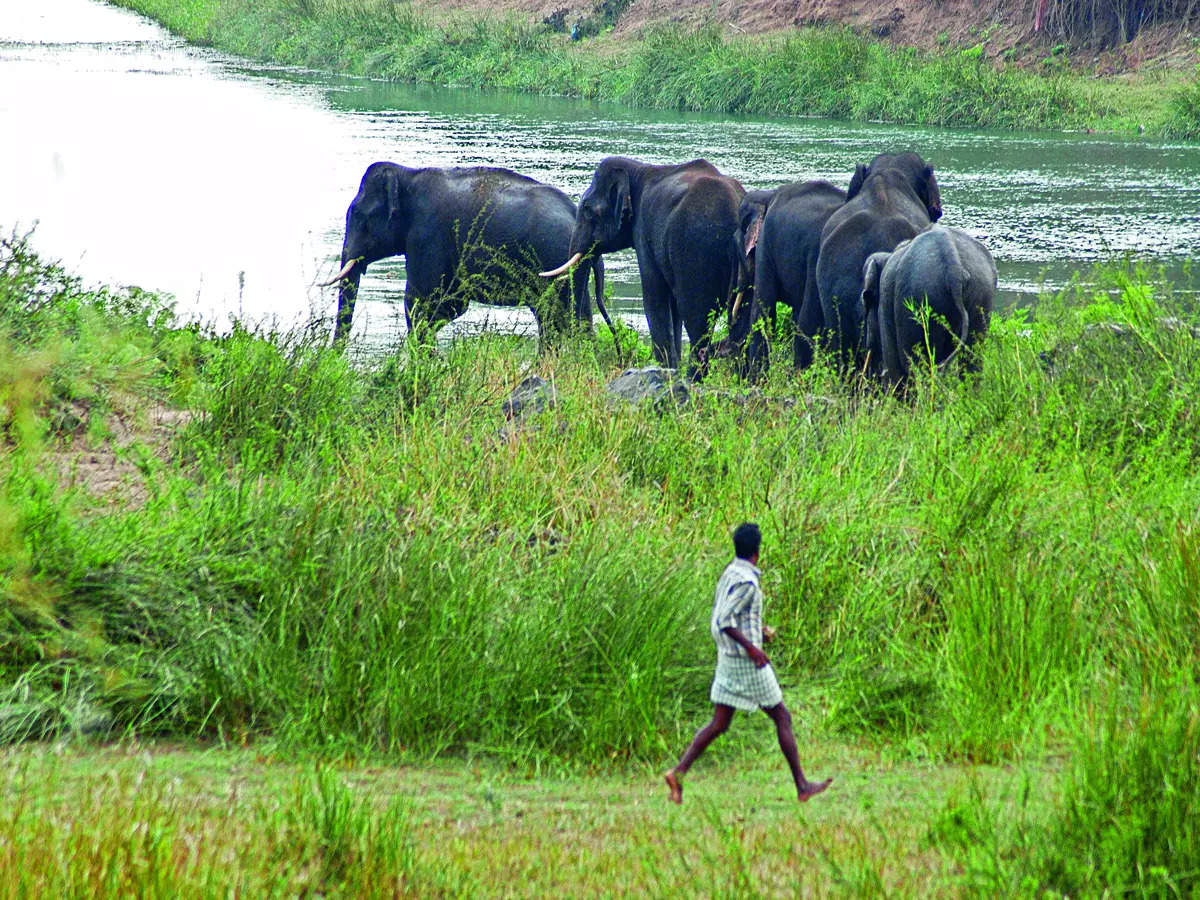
(112, 471)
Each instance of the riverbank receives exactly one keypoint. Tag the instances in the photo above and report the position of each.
(821, 71)
(369, 562)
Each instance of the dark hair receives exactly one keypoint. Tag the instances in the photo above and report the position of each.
(746, 540)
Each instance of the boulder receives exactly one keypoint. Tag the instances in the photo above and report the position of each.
(653, 383)
(532, 396)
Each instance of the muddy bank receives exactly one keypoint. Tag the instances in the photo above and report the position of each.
(1024, 32)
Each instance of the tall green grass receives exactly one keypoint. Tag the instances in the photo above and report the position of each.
(368, 558)
(813, 71)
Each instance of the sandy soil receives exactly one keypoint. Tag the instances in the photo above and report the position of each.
(110, 471)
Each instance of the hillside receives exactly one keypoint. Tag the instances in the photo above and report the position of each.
(1012, 29)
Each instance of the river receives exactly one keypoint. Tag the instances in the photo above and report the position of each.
(138, 159)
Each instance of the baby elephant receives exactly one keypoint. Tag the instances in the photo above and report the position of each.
(943, 266)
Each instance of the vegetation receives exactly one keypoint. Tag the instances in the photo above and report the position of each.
(365, 561)
(813, 71)
(1111, 21)
(156, 821)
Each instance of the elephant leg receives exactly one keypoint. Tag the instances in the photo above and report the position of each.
(420, 314)
(656, 300)
(699, 332)
(677, 324)
(766, 294)
(807, 320)
(408, 309)
(840, 316)
(580, 297)
(431, 289)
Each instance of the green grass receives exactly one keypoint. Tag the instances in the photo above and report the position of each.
(163, 821)
(811, 71)
(362, 560)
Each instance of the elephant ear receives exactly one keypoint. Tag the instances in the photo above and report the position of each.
(618, 197)
(856, 182)
(928, 191)
(392, 186)
(753, 229)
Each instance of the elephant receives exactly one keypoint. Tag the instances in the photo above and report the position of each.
(465, 234)
(888, 201)
(743, 246)
(678, 220)
(742, 252)
(786, 270)
(947, 269)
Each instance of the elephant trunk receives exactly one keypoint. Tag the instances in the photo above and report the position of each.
(598, 269)
(349, 278)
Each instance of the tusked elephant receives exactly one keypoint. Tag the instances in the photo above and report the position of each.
(943, 267)
(786, 269)
(474, 233)
(888, 201)
(678, 220)
(743, 246)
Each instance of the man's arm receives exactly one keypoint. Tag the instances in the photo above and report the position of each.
(757, 656)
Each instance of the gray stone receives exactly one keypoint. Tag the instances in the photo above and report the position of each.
(1108, 343)
(532, 396)
(653, 383)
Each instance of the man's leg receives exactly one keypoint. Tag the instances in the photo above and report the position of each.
(787, 743)
(722, 716)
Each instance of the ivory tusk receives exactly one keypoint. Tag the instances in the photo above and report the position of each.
(737, 303)
(565, 267)
(342, 274)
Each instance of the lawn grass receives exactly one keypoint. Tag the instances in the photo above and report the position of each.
(170, 820)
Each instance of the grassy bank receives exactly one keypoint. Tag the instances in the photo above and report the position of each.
(162, 821)
(366, 562)
(825, 71)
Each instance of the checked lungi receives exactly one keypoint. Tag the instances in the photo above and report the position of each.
(741, 684)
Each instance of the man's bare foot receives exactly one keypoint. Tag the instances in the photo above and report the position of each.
(812, 788)
(676, 788)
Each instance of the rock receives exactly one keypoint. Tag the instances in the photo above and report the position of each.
(532, 396)
(652, 382)
(1108, 343)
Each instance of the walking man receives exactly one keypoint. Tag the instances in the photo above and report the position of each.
(744, 679)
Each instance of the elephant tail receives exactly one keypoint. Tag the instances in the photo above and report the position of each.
(598, 273)
(959, 279)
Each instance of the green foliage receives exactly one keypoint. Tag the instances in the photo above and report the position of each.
(1124, 822)
(1130, 815)
(1185, 109)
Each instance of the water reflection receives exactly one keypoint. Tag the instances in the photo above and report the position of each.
(225, 183)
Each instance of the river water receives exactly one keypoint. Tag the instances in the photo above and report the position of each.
(140, 160)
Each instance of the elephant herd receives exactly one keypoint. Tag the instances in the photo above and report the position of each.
(867, 273)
